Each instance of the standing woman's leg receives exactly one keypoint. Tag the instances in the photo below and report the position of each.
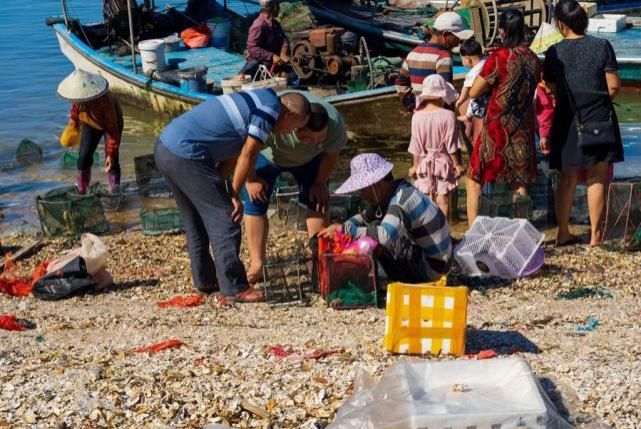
(473, 189)
(597, 187)
(563, 204)
(89, 139)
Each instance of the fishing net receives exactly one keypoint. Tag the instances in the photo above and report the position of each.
(161, 221)
(28, 152)
(148, 177)
(63, 211)
(296, 17)
(505, 204)
(623, 216)
(348, 281)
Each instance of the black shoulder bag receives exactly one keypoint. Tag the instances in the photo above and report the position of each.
(592, 133)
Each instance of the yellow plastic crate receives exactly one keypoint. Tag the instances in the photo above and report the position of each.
(427, 318)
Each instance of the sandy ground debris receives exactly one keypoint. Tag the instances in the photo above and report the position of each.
(78, 368)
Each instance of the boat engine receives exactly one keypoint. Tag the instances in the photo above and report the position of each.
(325, 53)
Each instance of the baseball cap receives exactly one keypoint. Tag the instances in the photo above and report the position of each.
(452, 22)
(266, 4)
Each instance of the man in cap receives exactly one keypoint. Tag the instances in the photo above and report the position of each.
(97, 114)
(196, 152)
(310, 154)
(431, 57)
(413, 234)
(267, 43)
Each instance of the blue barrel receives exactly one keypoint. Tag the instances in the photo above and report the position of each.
(220, 32)
(193, 79)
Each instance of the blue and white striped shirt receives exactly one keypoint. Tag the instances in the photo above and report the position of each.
(412, 214)
(217, 129)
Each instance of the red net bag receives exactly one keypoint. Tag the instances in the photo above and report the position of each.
(196, 37)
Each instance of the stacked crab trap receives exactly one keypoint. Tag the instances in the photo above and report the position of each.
(501, 247)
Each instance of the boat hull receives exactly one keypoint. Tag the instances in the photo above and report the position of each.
(130, 89)
(369, 114)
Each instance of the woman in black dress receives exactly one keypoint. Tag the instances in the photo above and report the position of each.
(584, 68)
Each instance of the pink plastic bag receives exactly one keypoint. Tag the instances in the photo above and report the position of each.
(364, 246)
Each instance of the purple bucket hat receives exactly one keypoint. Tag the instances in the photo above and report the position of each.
(366, 169)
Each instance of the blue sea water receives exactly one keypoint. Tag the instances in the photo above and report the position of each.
(32, 65)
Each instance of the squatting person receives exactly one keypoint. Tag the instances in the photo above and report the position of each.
(310, 154)
(413, 234)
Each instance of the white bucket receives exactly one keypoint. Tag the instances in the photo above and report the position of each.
(152, 53)
(233, 83)
(220, 32)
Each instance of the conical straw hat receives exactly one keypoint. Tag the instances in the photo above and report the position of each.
(81, 86)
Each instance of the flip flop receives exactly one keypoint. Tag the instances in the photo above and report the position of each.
(571, 242)
(249, 295)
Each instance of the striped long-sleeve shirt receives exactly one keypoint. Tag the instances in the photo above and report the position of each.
(422, 61)
(409, 213)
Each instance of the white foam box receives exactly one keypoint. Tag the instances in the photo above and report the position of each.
(483, 394)
(606, 23)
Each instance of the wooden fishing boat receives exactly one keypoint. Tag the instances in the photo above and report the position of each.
(373, 113)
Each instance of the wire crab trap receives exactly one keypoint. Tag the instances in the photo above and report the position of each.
(286, 282)
(623, 216)
(161, 221)
(296, 213)
(342, 207)
(149, 180)
(348, 281)
(505, 204)
(28, 152)
(542, 195)
(283, 195)
(111, 200)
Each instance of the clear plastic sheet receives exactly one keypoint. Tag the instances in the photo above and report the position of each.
(462, 394)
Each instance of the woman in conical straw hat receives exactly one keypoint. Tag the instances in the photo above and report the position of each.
(95, 110)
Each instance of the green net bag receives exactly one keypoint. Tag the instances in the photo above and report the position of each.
(161, 221)
(63, 212)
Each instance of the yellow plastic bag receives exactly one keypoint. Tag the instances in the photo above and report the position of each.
(427, 318)
(70, 136)
(547, 36)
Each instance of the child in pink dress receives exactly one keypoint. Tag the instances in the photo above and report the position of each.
(435, 144)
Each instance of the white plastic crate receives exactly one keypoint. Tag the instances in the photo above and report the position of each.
(460, 394)
(498, 247)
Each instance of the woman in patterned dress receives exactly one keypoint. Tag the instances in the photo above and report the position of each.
(505, 152)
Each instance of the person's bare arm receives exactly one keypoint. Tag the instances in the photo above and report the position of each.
(465, 94)
(458, 163)
(614, 83)
(412, 171)
(479, 87)
(245, 167)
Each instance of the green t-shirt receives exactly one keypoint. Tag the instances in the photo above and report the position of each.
(286, 150)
